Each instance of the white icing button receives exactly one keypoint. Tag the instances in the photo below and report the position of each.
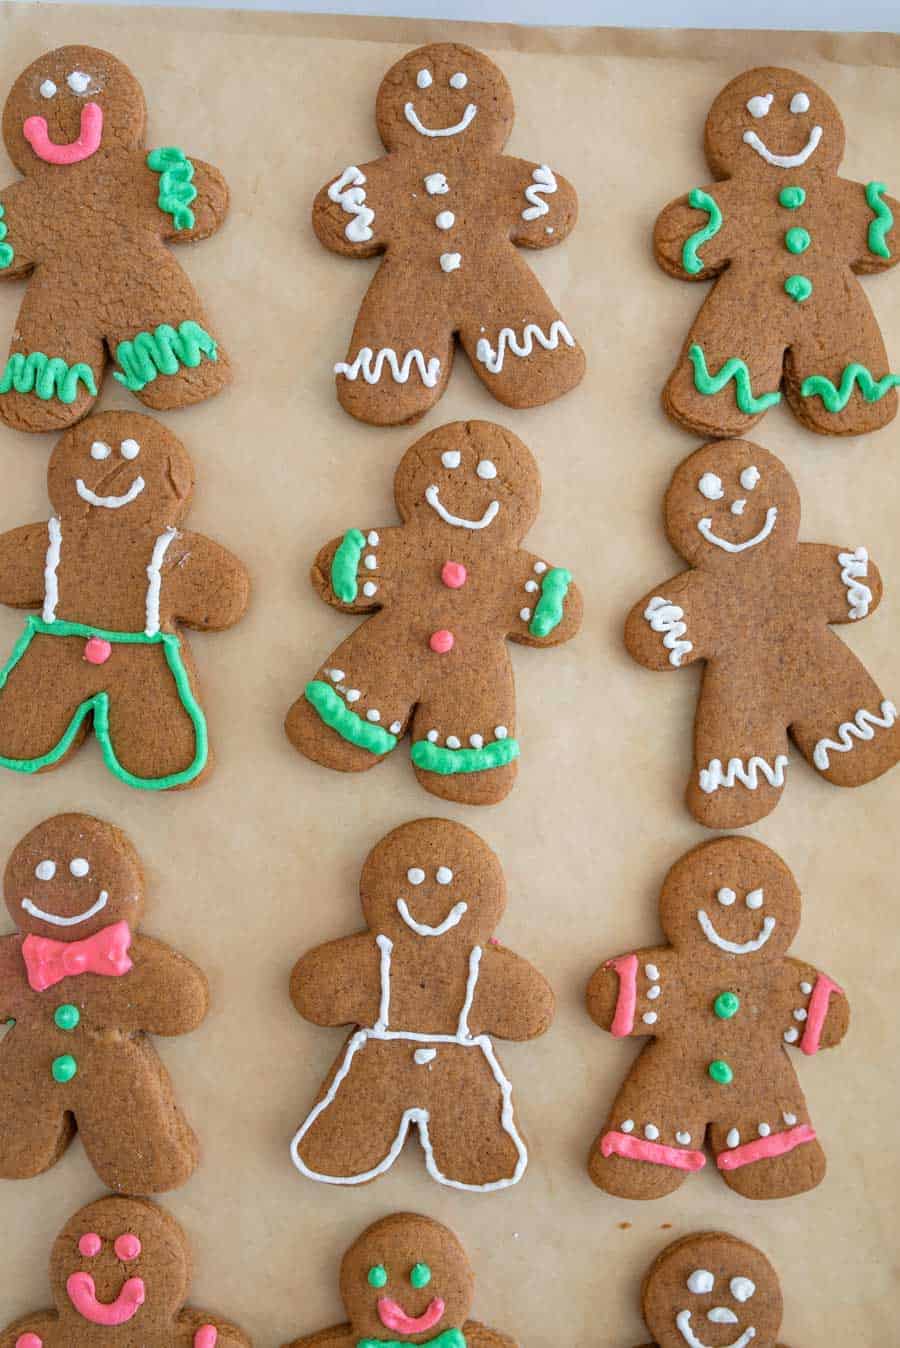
(540, 568)
(78, 81)
(48, 89)
(424, 1055)
(652, 972)
(452, 742)
(443, 875)
(353, 694)
(373, 540)
(701, 1282)
(100, 450)
(370, 561)
(373, 714)
(450, 458)
(792, 1035)
(436, 185)
(336, 675)
(45, 870)
(461, 79)
(649, 1017)
(432, 736)
(627, 1126)
(726, 897)
(800, 1014)
(683, 1139)
(651, 1132)
(476, 741)
(423, 79)
(531, 586)
(415, 875)
(524, 614)
(806, 989)
(737, 507)
(500, 732)
(79, 867)
(450, 261)
(486, 470)
(370, 588)
(733, 1139)
(653, 991)
(764, 1130)
(396, 727)
(129, 449)
(445, 219)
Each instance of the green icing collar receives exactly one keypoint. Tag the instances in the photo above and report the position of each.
(449, 1338)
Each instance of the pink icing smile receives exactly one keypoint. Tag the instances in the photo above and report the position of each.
(393, 1316)
(83, 1296)
(35, 132)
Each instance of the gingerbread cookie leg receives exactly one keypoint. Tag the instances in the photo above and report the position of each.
(150, 724)
(472, 1138)
(740, 757)
(39, 727)
(649, 1144)
(464, 745)
(770, 1151)
(852, 735)
(34, 1128)
(55, 365)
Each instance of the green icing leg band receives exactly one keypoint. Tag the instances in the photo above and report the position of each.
(344, 565)
(883, 222)
(701, 201)
(99, 705)
(6, 249)
(735, 369)
(176, 190)
(328, 705)
(164, 351)
(447, 762)
(549, 609)
(836, 399)
(46, 376)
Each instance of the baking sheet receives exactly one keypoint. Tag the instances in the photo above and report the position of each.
(262, 861)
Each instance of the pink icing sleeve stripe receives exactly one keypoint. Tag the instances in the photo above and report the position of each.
(765, 1148)
(639, 1149)
(623, 1020)
(207, 1336)
(29, 1341)
(817, 1011)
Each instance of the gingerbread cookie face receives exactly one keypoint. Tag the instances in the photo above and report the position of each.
(780, 234)
(712, 1291)
(146, 481)
(444, 92)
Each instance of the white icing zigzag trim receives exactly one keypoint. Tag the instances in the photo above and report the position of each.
(429, 371)
(862, 727)
(544, 183)
(507, 338)
(854, 566)
(350, 195)
(714, 776)
(665, 617)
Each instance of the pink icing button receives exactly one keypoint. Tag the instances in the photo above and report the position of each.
(29, 1341)
(441, 641)
(127, 1246)
(89, 1245)
(207, 1336)
(97, 650)
(454, 575)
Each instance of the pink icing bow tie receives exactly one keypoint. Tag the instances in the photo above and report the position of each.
(48, 961)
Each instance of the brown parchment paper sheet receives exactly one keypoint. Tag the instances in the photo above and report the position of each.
(261, 862)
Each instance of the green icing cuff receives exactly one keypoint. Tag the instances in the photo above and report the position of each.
(164, 351)
(345, 564)
(450, 1338)
(364, 734)
(176, 190)
(6, 249)
(700, 201)
(548, 612)
(836, 399)
(735, 369)
(46, 376)
(883, 222)
(447, 762)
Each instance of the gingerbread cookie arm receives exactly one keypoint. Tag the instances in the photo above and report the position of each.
(478, 1335)
(199, 1329)
(192, 196)
(870, 223)
(39, 1327)
(337, 1336)
(164, 992)
(23, 557)
(12, 977)
(347, 213)
(844, 583)
(349, 573)
(207, 586)
(815, 1010)
(668, 628)
(547, 602)
(513, 999)
(691, 238)
(624, 993)
(19, 249)
(544, 204)
(338, 983)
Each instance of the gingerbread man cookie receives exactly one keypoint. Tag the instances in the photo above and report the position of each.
(721, 1003)
(88, 224)
(426, 985)
(120, 1272)
(406, 1280)
(113, 574)
(756, 606)
(448, 588)
(781, 236)
(448, 210)
(712, 1291)
(85, 991)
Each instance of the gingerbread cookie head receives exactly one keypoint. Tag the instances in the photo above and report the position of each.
(733, 895)
(71, 876)
(770, 122)
(444, 95)
(406, 1278)
(69, 104)
(123, 468)
(729, 502)
(434, 878)
(712, 1291)
(469, 477)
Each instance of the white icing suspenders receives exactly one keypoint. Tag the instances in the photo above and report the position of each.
(154, 575)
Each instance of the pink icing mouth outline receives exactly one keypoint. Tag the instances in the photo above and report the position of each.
(83, 1296)
(394, 1317)
(35, 132)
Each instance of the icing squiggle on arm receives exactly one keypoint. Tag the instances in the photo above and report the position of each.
(626, 1002)
(544, 184)
(854, 566)
(350, 195)
(822, 993)
(883, 222)
(668, 618)
(700, 201)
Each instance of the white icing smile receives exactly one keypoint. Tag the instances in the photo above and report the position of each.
(413, 118)
(43, 916)
(683, 1321)
(422, 929)
(432, 496)
(784, 160)
(706, 529)
(109, 502)
(734, 947)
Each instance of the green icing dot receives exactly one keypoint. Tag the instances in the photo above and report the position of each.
(377, 1275)
(797, 240)
(67, 1016)
(64, 1068)
(791, 198)
(720, 1072)
(798, 287)
(726, 1005)
(420, 1275)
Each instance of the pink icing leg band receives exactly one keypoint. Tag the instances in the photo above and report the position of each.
(639, 1149)
(623, 1020)
(207, 1336)
(817, 1011)
(765, 1148)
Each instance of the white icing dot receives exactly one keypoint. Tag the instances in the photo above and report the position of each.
(759, 105)
(531, 586)
(423, 79)
(755, 899)
(486, 470)
(450, 261)
(415, 875)
(443, 875)
(500, 732)
(396, 727)
(445, 219)
(459, 80)
(726, 897)
(373, 714)
(800, 102)
(792, 1035)
(651, 1132)
(737, 507)
(336, 675)
(806, 988)
(353, 694)
(627, 1126)
(129, 449)
(453, 742)
(750, 477)
(476, 741)
(45, 870)
(79, 867)
(100, 450)
(764, 1130)
(683, 1139)
(48, 89)
(710, 486)
(652, 972)
(370, 561)
(790, 1119)
(653, 991)
(540, 568)
(78, 81)
(800, 1014)
(432, 736)
(436, 185)
(701, 1282)
(733, 1139)
(649, 1018)
(742, 1289)
(450, 458)
(370, 588)
(524, 614)
(372, 539)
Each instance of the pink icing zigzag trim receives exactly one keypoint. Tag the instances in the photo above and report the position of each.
(765, 1148)
(639, 1149)
(34, 129)
(818, 1010)
(623, 1020)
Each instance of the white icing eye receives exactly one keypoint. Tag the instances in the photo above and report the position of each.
(700, 1282)
(450, 458)
(726, 897)
(710, 486)
(48, 89)
(486, 470)
(759, 105)
(78, 81)
(459, 80)
(800, 103)
(100, 450)
(423, 79)
(45, 870)
(742, 1289)
(750, 477)
(415, 875)
(79, 867)
(443, 875)
(129, 449)
(755, 898)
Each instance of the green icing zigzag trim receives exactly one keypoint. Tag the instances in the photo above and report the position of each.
(364, 734)
(736, 369)
(836, 399)
(163, 351)
(176, 190)
(46, 376)
(700, 201)
(883, 222)
(447, 762)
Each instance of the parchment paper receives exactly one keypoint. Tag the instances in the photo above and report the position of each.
(261, 862)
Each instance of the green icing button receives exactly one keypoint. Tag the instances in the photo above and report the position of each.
(726, 1005)
(797, 240)
(66, 1016)
(791, 198)
(798, 287)
(720, 1072)
(64, 1068)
